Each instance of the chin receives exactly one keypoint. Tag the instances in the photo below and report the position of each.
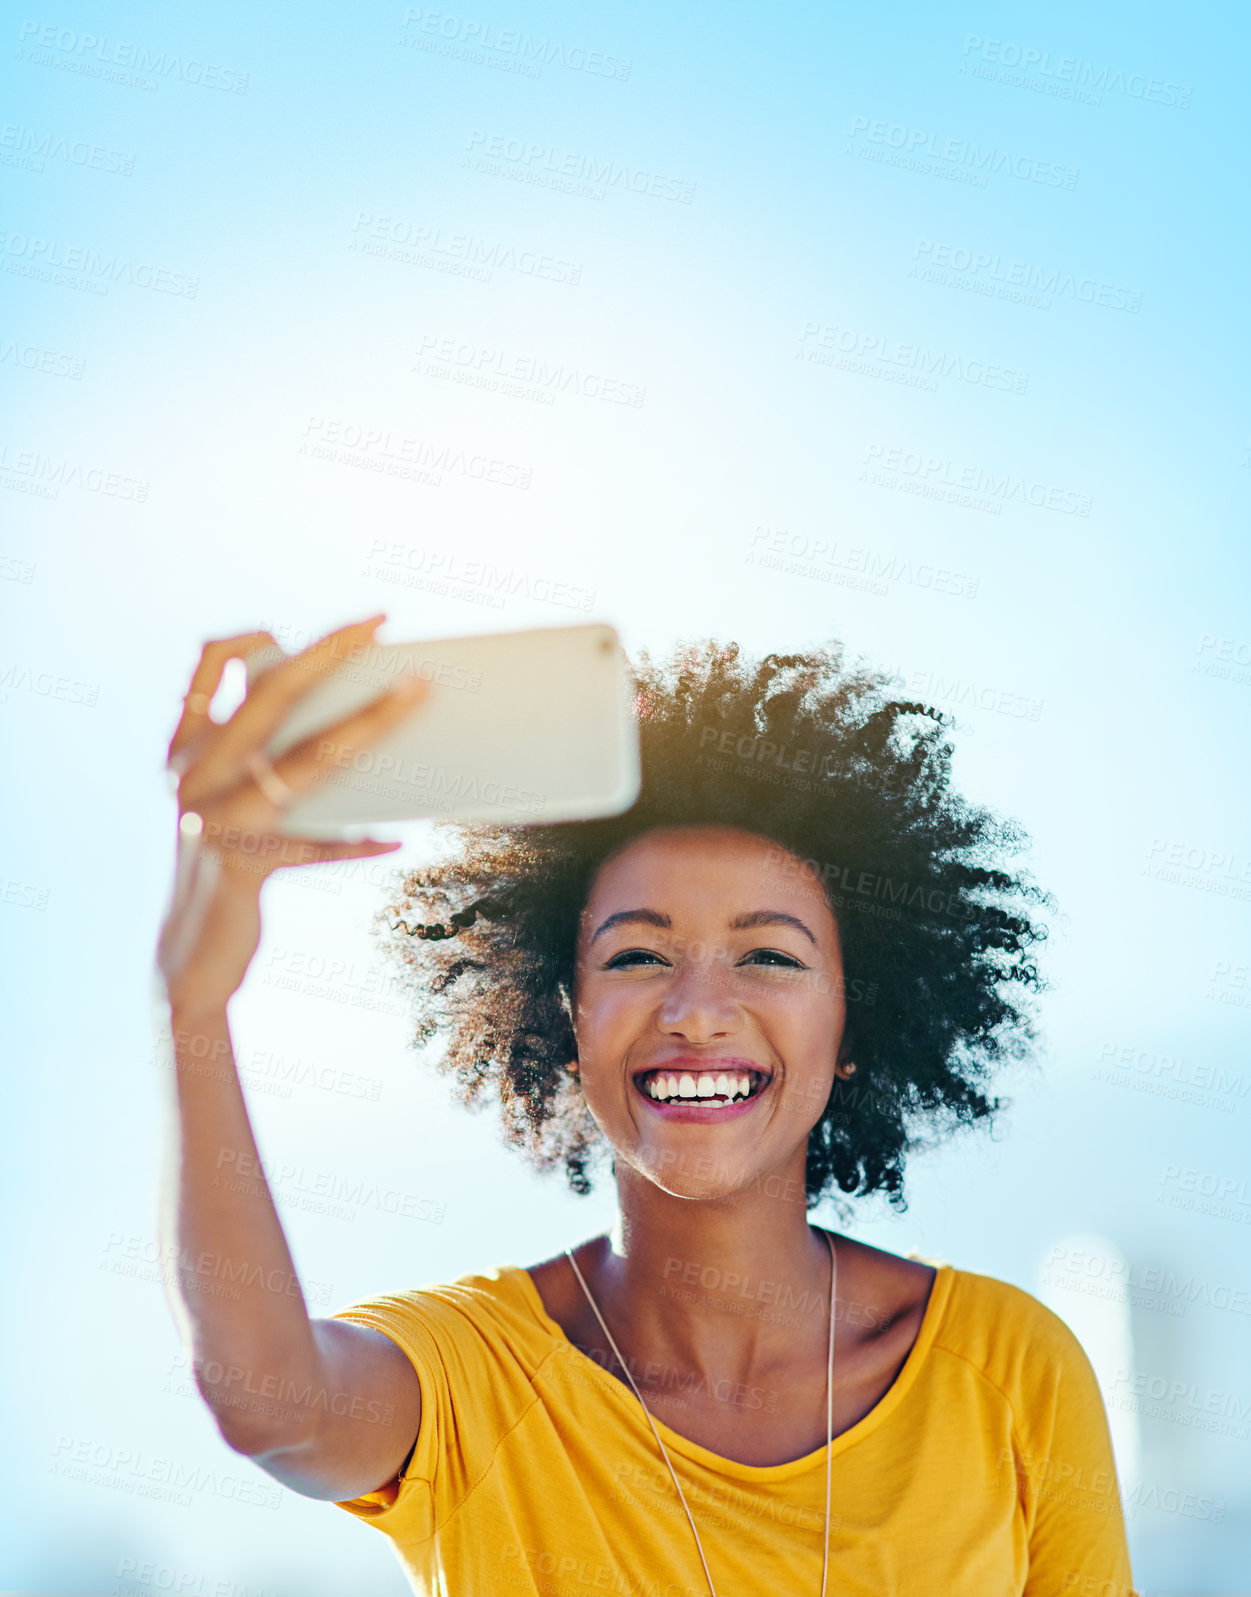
(708, 1176)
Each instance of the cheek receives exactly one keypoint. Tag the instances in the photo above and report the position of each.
(815, 1011)
(605, 1031)
(605, 1018)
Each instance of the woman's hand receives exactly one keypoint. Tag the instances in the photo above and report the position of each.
(228, 837)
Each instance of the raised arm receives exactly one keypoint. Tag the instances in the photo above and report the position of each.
(329, 1408)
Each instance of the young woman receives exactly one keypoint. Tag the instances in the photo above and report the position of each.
(796, 951)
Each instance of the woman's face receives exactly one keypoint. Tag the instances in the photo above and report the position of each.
(709, 1008)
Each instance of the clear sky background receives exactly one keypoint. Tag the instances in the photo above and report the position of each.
(940, 313)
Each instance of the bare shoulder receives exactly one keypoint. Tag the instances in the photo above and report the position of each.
(358, 1446)
(557, 1285)
(891, 1290)
(547, 1276)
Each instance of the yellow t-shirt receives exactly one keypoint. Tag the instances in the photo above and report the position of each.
(986, 1469)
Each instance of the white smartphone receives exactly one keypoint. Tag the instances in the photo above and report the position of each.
(531, 726)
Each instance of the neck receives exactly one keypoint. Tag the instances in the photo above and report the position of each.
(729, 1287)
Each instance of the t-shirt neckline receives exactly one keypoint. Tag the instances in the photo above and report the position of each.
(940, 1291)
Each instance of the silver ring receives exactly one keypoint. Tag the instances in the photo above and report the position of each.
(267, 779)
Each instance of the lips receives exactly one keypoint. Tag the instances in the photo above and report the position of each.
(713, 1089)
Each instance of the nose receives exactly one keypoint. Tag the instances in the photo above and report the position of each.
(698, 1005)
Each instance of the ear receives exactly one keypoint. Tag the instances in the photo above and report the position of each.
(844, 1066)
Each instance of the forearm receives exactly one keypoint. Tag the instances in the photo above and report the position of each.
(237, 1297)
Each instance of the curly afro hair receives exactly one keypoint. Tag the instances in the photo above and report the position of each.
(937, 938)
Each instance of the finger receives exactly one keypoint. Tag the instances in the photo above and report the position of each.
(260, 853)
(313, 853)
(274, 692)
(334, 746)
(205, 681)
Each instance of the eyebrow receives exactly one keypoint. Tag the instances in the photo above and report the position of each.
(755, 917)
(771, 917)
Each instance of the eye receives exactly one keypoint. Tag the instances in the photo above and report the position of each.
(629, 957)
(773, 956)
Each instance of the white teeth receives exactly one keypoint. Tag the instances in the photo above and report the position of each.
(687, 1085)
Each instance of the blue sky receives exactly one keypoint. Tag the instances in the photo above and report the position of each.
(921, 329)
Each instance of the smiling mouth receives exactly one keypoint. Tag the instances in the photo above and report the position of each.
(710, 1087)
